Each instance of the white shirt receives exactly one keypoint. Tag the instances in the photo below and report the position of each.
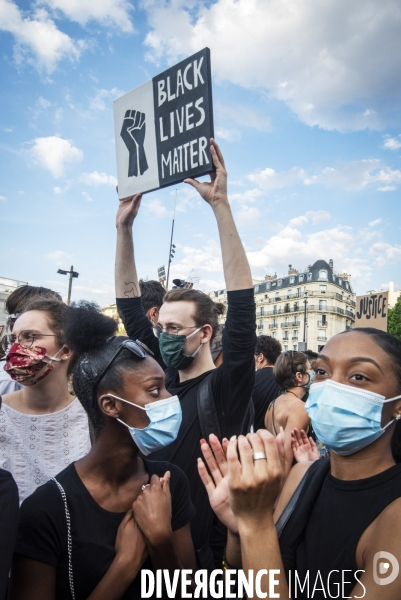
(36, 447)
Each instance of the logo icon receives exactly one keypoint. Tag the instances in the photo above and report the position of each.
(133, 134)
(381, 566)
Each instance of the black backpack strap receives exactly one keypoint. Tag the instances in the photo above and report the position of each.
(287, 512)
(208, 418)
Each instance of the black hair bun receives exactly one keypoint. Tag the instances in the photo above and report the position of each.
(86, 328)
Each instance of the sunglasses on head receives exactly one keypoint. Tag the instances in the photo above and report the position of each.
(137, 348)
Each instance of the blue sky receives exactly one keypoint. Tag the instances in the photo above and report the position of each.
(307, 112)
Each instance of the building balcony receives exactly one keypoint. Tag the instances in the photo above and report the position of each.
(294, 337)
(322, 338)
(260, 326)
(295, 323)
(285, 324)
(273, 325)
(322, 323)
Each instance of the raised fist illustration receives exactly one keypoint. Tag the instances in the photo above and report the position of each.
(133, 133)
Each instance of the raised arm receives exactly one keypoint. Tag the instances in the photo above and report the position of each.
(126, 278)
(237, 273)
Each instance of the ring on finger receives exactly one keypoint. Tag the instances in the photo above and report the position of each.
(145, 486)
(259, 456)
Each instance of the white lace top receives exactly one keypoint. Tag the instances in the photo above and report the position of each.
(36, 447)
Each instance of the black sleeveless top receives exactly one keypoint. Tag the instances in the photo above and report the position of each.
(338, 517)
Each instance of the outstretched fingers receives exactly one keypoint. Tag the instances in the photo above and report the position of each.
(211, 462)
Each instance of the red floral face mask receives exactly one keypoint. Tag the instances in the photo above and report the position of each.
(26, 365)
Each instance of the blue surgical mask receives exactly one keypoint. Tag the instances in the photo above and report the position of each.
(165, 420)
(344, 418)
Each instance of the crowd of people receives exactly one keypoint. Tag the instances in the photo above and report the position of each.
(185, 446)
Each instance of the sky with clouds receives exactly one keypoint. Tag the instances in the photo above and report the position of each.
(307, 112)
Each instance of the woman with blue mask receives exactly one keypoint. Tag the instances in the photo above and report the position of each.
(292, 372)
(87, 533)
(336, 523)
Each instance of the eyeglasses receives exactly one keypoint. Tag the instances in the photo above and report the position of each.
(138, 348)
(25, 339)
(173, 329)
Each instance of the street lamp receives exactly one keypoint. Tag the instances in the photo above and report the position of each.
(72, 274)
(172, 246)
(305, 305)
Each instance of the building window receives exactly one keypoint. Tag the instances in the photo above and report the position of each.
(256, 288)
(261, 324)
(266, 297)
(268, 285)
(285, 348)
(292, 280)
(322, 320)
(296, 305)
(279, 282)
(301, 278)
(340, 281)
(294, 347)
(285, 335)
(295, 334)
(274, 334)
(274, 283)
(347, 285)
(321, 334)
(289, 294)
(322, 304)
(274, 324)
(323, 275)
(286, 321)
(309, 277)
(275, 309)
(323, 288)
(298, 295)
(262, 311)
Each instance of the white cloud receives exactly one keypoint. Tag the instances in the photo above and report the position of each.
(53, 153)
(375, 222)
(230, 135)
(353, 175)
(320, 58)
(43, 103)
(155, 208)
(385, 253)
(3, 199)
(8, 129)
(87, 197)
(59, 257)
(247, 216)
(392, 143)
(106, 12)
(243, 115)
(386, 188)
(246, 195)
(298, 221)
(95, 178)
(318, 216)
(98, 101)
(269, 179)
(38, 40)
(57, 190)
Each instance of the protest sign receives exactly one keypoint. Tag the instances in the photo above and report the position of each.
(163, 128)
(372, 310)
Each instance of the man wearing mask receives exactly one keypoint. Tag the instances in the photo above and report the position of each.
(187, 323)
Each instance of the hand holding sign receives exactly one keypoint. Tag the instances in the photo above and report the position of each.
(214, 192)
(133, 133)
(127, 211)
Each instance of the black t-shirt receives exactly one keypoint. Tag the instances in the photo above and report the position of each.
(340, 514)
(9, 505)
(264, 392)
(42, 533)
(232, 384)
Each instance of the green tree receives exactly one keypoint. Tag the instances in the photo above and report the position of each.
(394, 319)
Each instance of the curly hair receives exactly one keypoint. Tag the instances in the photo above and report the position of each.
(392, 347)
(90, 335)
(269, 347)
(287, 366)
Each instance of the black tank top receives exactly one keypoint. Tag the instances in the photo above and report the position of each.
(339, 516)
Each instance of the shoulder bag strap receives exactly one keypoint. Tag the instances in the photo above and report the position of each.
(209, 421)
(69, 538)
(287, 512)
